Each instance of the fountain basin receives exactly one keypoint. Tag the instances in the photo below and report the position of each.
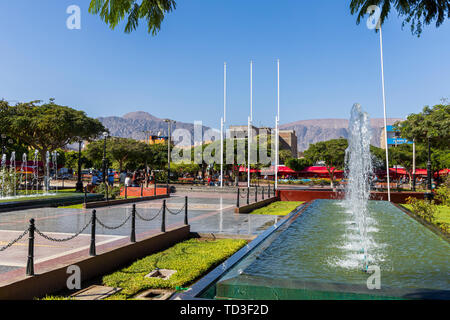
(315, 254)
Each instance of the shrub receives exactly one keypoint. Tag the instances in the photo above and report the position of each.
(422, 208)
(113, 192)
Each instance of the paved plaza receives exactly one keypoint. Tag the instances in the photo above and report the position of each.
(209, 212)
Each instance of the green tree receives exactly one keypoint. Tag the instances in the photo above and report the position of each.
(433, 123)
(415, 12)
(124, 151)
(47, 127)
(285, 155)
(331, 152)
(112, 12)
(298, 164)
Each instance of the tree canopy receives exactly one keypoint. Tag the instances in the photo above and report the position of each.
(415, 12)
(112, 12)
(433, 123)
(47, 127)
(331, 152)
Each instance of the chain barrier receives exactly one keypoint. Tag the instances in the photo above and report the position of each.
(113, 228)
(176, 212)
(43, 235)
(149, 219)
(244, 194)
(14, 241)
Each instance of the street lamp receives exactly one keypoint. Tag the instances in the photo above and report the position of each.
(79, 185)
(105, 135)
(428, 194)
(169, 122)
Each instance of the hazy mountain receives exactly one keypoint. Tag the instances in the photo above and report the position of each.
(136, 124)
(133, 125)
(312, 131)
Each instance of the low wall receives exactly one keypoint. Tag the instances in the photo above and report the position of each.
(91, 267)
(308, 195)
(98, 204)
(146, 192)
(256, 205)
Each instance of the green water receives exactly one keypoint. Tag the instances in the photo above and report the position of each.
(323, 245)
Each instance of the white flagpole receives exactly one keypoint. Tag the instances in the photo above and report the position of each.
(276, 125)
(385, 121)
(222, 120)
(249, 135)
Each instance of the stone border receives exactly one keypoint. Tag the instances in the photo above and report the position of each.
(54, 280)
(202, 285)
(99, 204)
(256, 205)
(49, 202)
(425, 223)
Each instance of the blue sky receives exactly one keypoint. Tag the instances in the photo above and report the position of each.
(327, 61)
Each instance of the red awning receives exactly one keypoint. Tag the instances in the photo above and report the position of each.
(245, 169)
(319, 170)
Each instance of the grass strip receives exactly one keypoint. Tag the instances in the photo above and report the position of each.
(279, 208)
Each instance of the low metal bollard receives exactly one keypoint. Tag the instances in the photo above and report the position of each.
(92, 247)
(256, 193)
(126, 192)
(237, 199)
(30, 261)
(85, 194)
(106, 188)
(186, 210)
(142, 190)
(262, 193)
(248, 195)
(155, 188)
(133, 224)
(163, 217)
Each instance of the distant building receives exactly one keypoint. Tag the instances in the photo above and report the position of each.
(288, 138)
(156, 139)
(393, 138)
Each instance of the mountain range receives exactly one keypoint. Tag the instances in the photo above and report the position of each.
(136, 124)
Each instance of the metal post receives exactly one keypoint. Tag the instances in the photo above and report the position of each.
(85, 195)
(256, 193)
(428, 194)
(79, 185)
(142, 190)
(126, 192)
(133, 224)
(248, 195)
(414, 167)
(30, 261)
(106, 188)
(163, 217)
(237, 199)
(262, 193)
(92, 248)
(186, 210)
(155, 186)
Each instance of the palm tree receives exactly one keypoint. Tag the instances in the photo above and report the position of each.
(416, 12)
(114, 11)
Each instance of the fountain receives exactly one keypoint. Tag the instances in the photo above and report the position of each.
(359, 170)
(12, 172)
(22, 166)
(319, 250)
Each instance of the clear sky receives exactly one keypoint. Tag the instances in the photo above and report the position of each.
(327, 61)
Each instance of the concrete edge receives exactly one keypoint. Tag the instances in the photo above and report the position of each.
(55, 280)
(99, 204)
(425, 223)
(256, 205)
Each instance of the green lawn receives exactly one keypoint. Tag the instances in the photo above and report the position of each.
(37, 196)
(191, 259)
(442, 216)
(279, 208)
(74, 206)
